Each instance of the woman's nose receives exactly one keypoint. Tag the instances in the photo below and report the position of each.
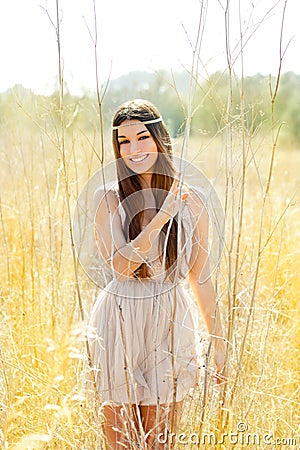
(134, 147)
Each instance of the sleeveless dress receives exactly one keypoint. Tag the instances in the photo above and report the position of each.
(143, 339)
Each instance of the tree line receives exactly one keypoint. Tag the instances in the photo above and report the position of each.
(216, 102)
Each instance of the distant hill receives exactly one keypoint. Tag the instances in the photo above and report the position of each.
(169, 92)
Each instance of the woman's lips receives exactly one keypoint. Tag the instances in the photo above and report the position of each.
(139, 159)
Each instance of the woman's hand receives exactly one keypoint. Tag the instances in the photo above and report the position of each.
(171, 204)
(219, 356)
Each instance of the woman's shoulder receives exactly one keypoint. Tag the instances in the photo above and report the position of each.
(108, 194)
(197, 199)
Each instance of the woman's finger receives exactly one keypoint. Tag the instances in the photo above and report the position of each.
(218, 376)
(174, 184)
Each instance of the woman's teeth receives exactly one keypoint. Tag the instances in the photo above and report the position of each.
(139, 158)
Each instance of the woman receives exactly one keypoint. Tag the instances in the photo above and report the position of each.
(151, 235)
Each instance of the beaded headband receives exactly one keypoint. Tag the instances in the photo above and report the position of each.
(146, 122)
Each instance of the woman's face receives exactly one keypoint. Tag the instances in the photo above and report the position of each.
(137, 147)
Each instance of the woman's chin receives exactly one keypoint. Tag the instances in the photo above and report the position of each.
(142, 170)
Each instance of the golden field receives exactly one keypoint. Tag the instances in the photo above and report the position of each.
(43, 168)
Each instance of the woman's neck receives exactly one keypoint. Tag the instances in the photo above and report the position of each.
(145, 179)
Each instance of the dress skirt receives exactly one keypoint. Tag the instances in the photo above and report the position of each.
(143, 342)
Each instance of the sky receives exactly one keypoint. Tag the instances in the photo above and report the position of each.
(140, 35)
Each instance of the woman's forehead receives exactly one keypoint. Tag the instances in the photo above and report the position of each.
(130, 122)
(131, 128)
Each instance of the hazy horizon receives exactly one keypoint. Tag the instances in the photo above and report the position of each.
(131, 38)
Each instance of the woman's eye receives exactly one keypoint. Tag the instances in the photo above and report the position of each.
(124, 142)
(143, 137)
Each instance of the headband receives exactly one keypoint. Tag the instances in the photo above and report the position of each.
(158, 119)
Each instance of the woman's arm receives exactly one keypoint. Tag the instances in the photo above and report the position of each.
(125, 257)
(200, 278)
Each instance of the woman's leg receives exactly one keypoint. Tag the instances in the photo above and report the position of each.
(119, 424)
(168, 420)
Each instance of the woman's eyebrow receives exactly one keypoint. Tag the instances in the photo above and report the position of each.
(140, 132)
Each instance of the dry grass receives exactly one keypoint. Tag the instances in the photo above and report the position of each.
(42, 334)
(45, 163)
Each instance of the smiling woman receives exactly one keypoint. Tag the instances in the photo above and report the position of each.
(151, 236)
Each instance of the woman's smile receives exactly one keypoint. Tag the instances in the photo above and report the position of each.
(139, 159)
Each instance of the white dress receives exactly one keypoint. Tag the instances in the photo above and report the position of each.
(144, 345)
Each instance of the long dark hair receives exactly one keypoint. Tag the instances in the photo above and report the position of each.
(129, 182)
